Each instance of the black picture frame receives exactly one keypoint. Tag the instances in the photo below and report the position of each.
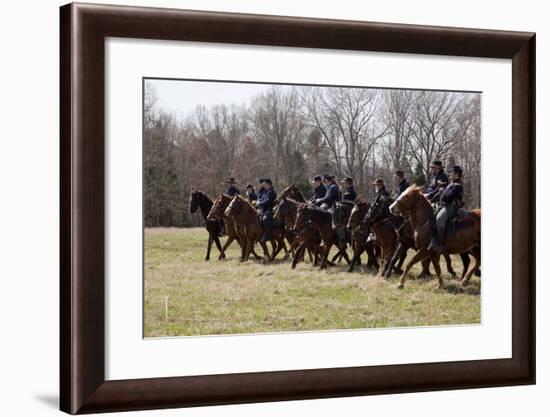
(84, 28)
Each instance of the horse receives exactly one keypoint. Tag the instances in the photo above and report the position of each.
(383, 224)
(214, 227)
(288, 216)
(322, 221)
(359, 236)
(305, 239)
(231, 229)
(465, 238)
(245, 215)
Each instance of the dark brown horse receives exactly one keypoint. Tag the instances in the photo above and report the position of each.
(307, 238)
(200, 200)
(359, 237)
(379, 219)
(464, 238)
(322, 221)
(285, 214)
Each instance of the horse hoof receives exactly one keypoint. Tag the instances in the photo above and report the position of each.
(453, 273)
(400, 286)
(464, 282)
(439, 287)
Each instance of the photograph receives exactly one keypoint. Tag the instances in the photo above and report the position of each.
(286, 208)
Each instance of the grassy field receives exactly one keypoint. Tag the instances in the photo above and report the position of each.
(184, 295)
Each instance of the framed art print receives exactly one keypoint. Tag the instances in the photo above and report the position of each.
(263, 208)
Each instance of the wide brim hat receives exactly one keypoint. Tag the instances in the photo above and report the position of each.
(265, 181)
(230, 180)
(436, 164)
(317, 178)
(346, 180)
(378, 181)
(328, 177)
(456, 169)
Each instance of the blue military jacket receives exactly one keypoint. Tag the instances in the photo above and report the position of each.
(349, 194)
(319, 192)
(382, 192)
(333, 195)
(453, 193)
(232, 191)
(403, 185)
(433, 188)
(266, 199)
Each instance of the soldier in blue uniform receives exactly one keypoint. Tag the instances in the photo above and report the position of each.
(231, 190)
(380, 188)
(251, 193)
(400, 181)
(439, 179)
(349, 193)
(333, 193)
(319, 189)
(451, 201)
(264, 206)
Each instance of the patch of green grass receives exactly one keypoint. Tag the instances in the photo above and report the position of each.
(184, 295)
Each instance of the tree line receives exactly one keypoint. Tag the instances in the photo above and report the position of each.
(290, 134)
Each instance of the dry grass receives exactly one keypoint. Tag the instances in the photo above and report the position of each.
(184, 295)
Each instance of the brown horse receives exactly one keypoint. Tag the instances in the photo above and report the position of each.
(464, 238)
(285, 214)
(245, 216)
(214, 227)
(307, 238)
(231, 229)
(379, 219)
(320, 220)
(359, 236)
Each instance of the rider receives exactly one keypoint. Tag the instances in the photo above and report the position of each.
(349, 193)
(439, 179)
(400, 181)
(333, 193)
(251, 193)
(319, 189)
(264, 206)
(380, 189)
(451, 201)
(231, 190)
(381, 193)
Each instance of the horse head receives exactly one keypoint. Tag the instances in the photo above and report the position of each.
(357, 214)
(406, 200)
(196, 197)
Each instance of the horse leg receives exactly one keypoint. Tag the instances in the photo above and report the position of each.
(228, 242)
(266, 252)
(435, 260)
(299, 252)
(450, 269)
(280, 245)
(418, 256)
(476, 252)
(426, 268)
(324, 256)
(209, 247)
(219, 246)
(393, 259)
(465, 264)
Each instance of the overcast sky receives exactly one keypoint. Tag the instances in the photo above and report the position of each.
(181, 97)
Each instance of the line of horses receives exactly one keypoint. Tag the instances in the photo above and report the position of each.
(399, 226)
